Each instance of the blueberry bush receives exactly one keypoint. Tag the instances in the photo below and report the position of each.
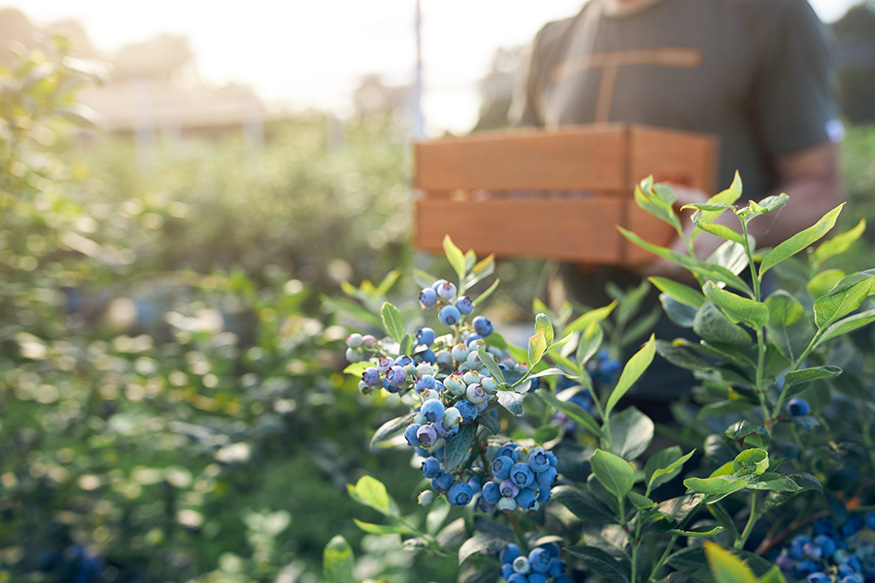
(536, 469)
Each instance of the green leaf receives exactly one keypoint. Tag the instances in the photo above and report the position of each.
(545, 327)
(773, 576)
(631, 433)
(806, 375)
(789, 326)
(491, 365)
(704, 206)
(738, 309)
(589, 343)
(545, 433)
(699, 532)
(393, 321)
(748, 433)
(715, 486)
(337, 561)
(754, 461)
(840, 301)
(537, 348)
(601, 563)
(455, 257)
(390, 429)
(357, 368)
(800, 240)
(490, 423)
(775, 483)
(423, 279)
(838, 244)
(382, 528)
(583, 505)
(481, 543)
(726, 197)
(371, 492)
(387, 283)
(662, 475)
(701, 268)
(680, 292)
(681, 357)
(588, 318)
(547, 372)
(631, 373)
(574, 412)
(681, 314)
(848, 324)
(613, 472)
(351, 309)
(656, 206)
(824, 281)
(457, 446)
(726, 567)
(717, 229)
(639, 501)
(730, 255)
(713, 326)
(512, 401)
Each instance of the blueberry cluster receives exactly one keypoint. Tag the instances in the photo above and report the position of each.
(604, 369)
(542, 565)
(844, 554)
(451, 388)
(520, 478)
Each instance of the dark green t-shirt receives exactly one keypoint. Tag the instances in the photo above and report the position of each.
(755, 73)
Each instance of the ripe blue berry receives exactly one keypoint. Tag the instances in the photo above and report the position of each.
(468, 411)
(427, 297)
(557, 567)
(442, 482)
(501, 467)
(482, 326)
(537, 578)
(430, 467)
(798, 407)
(546, 478)
(465, 305)
(526, 498)
(509, 553)
(460, 494)
(538, 460)
(449, 315)
(371, 376)
(425, 337)
(818, 577)
(508, 450)
(396, 376)
(491, 493)
(539, 558)
(517, 578)
(410, 434)
(522, 475)
(433, 410)
(446, 290)
(424, 383)
(426, 435)
(508, 489)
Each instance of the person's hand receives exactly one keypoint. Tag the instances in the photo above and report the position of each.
(662, 267)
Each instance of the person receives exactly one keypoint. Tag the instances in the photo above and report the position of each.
(757, 74)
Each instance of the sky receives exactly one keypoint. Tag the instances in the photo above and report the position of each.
(312, 54)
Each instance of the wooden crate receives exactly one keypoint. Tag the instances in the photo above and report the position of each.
(553, 195)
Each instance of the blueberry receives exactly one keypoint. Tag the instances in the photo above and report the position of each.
(433, 410)
(521, 565)
(818, 577)
(460, 494)
(424, 383)
(476, 394)
(354, 340)
(468, 411)
(444, 358)
(508, 450)
(506, 504)
(426, 497)
(371, 376)
(425, 337)
(491, 492)
(410, 434)
(538, 460)
(557, 566)
(353, 355)
(426, 355)
(426, 435)
(804, 569)
(539, 558)
(482, 326)
(465, 305)
(427, 297)
(506, 571)
(404, 361)
(869, 519)
(522, 475)
(396, 376)
(826, 544)
(452, 417)
(442, 482)
(446, 290)
(469, 340)
(445, 431)
(517, 578)
(384, 364)
(798, 407)
(537, 578)
(510, 552)
(501, 467)
(813, 551)
(547, 478)
(454, 384)
(508, 489)
(369, 341)
(449, 315)
(430, 467)
(526, 498)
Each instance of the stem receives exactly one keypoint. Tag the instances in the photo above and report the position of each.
(751, 520)
(670, 545)
(761, 343)
(518, 534)
(795, 366)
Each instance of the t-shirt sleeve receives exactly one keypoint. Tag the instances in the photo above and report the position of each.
(794, 102)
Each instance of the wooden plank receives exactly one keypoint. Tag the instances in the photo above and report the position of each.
(673, 156)
(566, 229)
(583, 158)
